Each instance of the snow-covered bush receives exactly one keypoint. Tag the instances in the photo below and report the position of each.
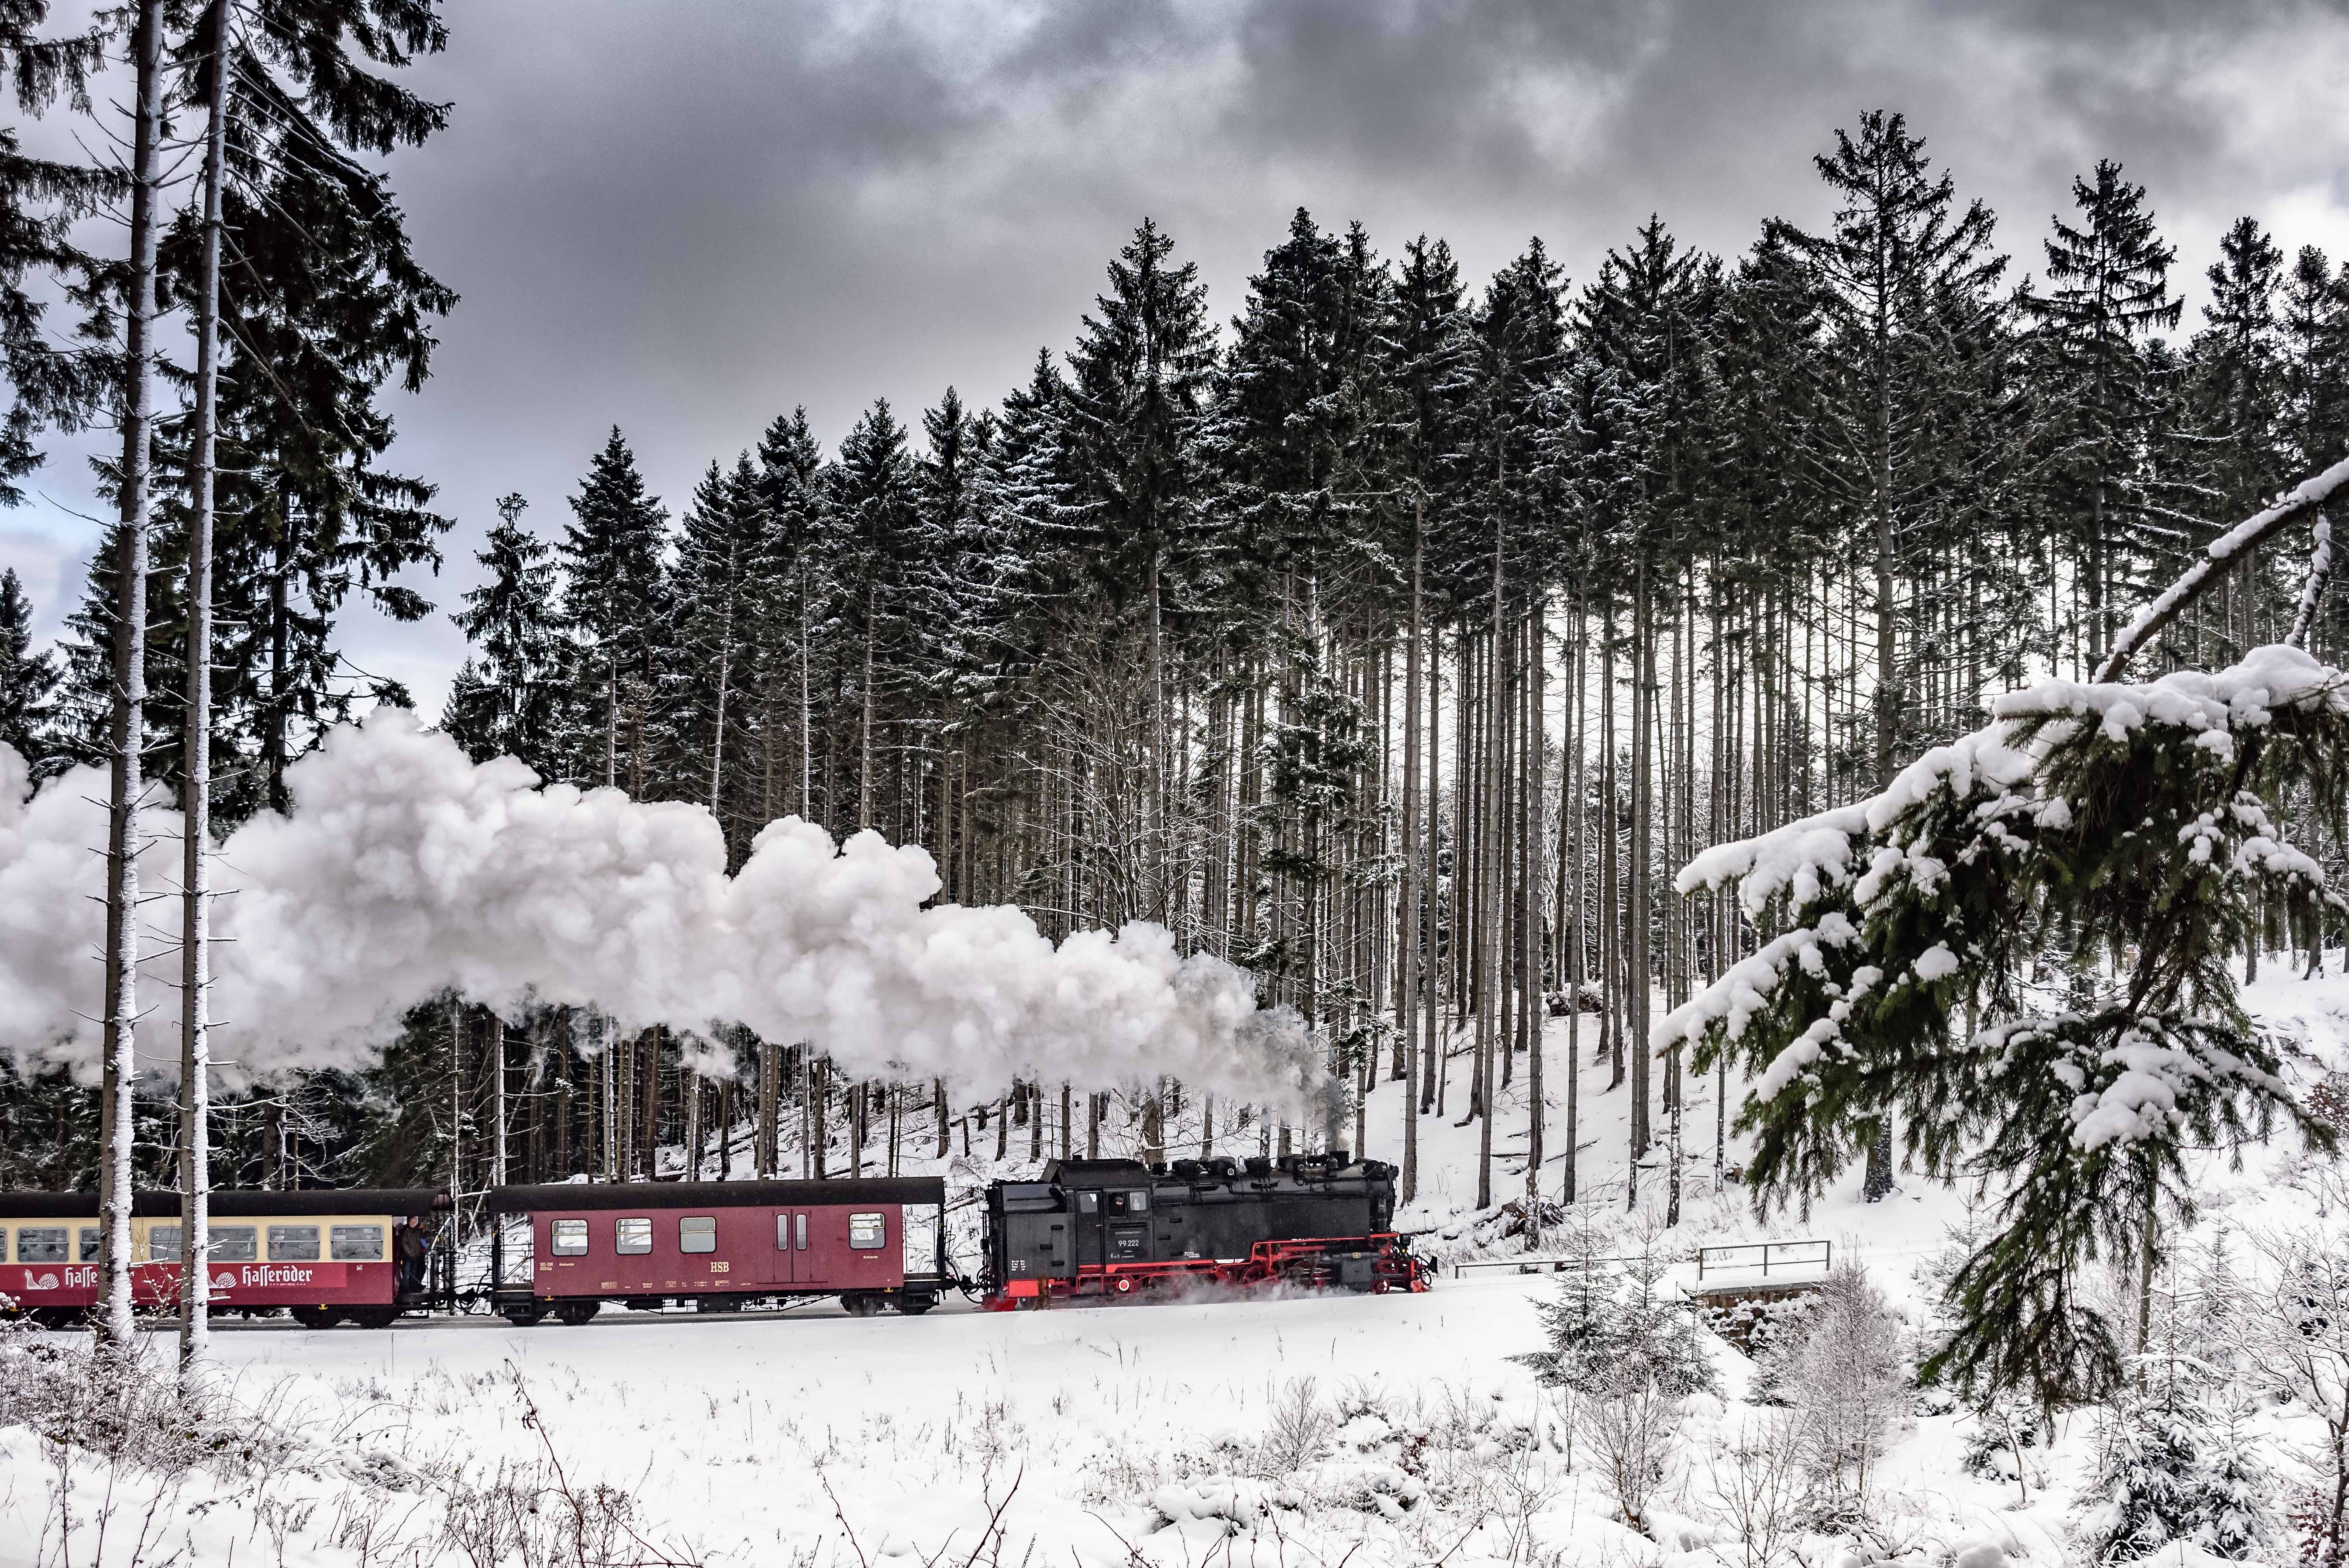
(1298, 1432)
(2172, 1466)
(1630, 1351)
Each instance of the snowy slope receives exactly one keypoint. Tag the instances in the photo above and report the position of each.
(1312, 1430)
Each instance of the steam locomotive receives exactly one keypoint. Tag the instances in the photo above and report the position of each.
(1105, 1228)
(1111, 1227)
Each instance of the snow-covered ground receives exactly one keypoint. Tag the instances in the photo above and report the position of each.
(1310, 1431)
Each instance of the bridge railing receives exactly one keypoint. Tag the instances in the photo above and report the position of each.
(1786, 1255)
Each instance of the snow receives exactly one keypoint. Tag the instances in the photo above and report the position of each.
(2221, 551)
(1298, 1430)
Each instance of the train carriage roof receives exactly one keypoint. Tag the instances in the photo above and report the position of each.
(232, 1203)
(572, 1196)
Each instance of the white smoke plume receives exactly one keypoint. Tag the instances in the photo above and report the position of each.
(406, 869)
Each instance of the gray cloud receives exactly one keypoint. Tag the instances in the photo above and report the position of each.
(685, 218)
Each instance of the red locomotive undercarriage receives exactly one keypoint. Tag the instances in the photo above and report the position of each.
(1311, 1262)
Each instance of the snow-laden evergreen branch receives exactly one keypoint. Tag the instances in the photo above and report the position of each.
(2220, 554)
(2019, 952)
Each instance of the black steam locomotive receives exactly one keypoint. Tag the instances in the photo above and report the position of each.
(1111, 1227)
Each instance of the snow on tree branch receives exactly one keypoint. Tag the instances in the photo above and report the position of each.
(2222, 554)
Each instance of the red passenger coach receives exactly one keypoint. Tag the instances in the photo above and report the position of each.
(326, 1257)
(567, 1249)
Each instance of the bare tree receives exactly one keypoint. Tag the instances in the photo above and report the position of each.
(2293, 1329)
(1760, 1480)
(1846, 1381)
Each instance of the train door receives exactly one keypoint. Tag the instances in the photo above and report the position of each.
(1091, 1251)
(775, 1250)
(803, 1259)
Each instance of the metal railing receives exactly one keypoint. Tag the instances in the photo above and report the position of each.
(1536, 1265)
(1784, 1256)
(1817, 1254)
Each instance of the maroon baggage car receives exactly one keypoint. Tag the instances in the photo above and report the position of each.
(569, 1247)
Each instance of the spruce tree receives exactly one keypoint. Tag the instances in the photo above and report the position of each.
(28, 684)
(322, 307)
(612, 603)
(711, 612)
(2235, 378)
(2121, 837)
(874, 488)
(1902, 276)
(40, 199)
(2110, 288)
(504, 701)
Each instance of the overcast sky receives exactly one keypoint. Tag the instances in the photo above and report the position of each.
(685, 216)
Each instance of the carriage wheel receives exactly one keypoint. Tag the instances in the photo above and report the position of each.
(575, 1313)
(316, 1316)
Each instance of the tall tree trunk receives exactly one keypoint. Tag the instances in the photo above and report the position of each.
(1530, 915)
(1407, 906)
(498, 1099)
(195, 865)
(130, 716)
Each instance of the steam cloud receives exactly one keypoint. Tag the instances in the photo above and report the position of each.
(406, 869)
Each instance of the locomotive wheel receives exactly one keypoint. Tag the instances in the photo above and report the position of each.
(856, 1303)
(575, 1313)
(1124, 1286)
(316, 1316)
(915, 1305)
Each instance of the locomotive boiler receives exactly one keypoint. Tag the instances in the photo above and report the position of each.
(1113, 1227)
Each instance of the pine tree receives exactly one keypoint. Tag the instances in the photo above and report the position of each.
(28, 684)
(613, 574)
(504, 701)
(2234, 374)
(1903, 278)
(40, 199)
(874, 490)
(2110, 277)
(710, 589)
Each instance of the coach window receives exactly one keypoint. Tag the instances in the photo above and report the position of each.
(89, 1247)
(570, 1239)
(356, 1243)
(866, 1231)
(233, 1244)
(293, 1243)
(697, 1233)
(799, 1229)
(632, 1236)
(41, 1244)
(163, 1243)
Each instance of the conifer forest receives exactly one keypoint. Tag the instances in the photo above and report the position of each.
(1453, 794)
(1397, 637)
